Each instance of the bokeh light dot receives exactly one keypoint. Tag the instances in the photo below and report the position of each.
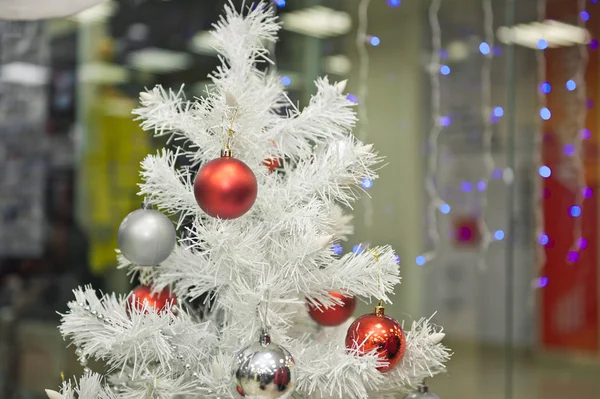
(280, 3)
(286, 81)
(584, 15)
(498, 111)
(420, 260)
(569, 150)
(587, 192)
(358, 249)
(593, 44)
(545, 113)
(542, 44)
(571, 85)
(445, 209)
(484, 48)
(545, 87)
(573, 256)
(499, 235)
(394, 3)
(352, 97)
(374, 41)
(466, 186)
(585, 134)
(366, 183)
(497, 173)
(481, 185)
(445, 70)
(544, 171)
(543, 240)
(543, 281)
(445, 121)
(575, 211)
(582, 243)
(337, 249)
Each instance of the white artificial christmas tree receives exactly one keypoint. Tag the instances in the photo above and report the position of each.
(260, 269)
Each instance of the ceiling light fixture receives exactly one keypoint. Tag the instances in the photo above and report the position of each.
(540, 35)
(204, 43)
(317, 22)
(158, 60)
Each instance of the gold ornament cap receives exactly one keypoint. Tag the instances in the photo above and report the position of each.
(380, 309)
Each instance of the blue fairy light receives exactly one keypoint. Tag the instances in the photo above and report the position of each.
(575, 211)
(484, 48)
(286, 81)
(374, 40)
(337, 249)
(358, 249)
(445, 209)
(498, 111)
(542, 281)
(571, 85)
(544, 239)
(584, 15)
(544, 171)
(545, 88)
(542, 44)
(393, 3)
(420, 260)
(545, 113)
(366, 183)
(445, 70)
(499, 235)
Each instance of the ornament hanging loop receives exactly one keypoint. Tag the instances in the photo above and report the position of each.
(147, 205)
(375, 254)
(229, 137)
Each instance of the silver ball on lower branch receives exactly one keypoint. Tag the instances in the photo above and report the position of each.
(265, 370)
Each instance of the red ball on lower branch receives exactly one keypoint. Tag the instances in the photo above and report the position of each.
(378, 332)
(141, 298)
(333, 315)
(225, 187)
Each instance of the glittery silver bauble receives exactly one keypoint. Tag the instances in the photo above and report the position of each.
(146, 237)
(265, 370)
(422, 393)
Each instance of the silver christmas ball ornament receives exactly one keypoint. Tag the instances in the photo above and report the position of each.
(146, 237)
(422, 393)
(265, 370)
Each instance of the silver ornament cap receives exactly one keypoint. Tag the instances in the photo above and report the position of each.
(422, 393)
(146, 237)
(265, 370)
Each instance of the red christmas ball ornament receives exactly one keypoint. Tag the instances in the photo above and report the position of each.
(376, 331)
(271, 163)
(333, 315)
(225, 187)
(141, 298)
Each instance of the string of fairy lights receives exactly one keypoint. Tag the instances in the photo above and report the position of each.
(436, 203)
(538, 205)
(489, 115)
(579, 86)
(574, 133)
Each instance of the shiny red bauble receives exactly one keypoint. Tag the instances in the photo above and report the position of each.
(225, 188)
(271, 163)
(141, 298)
(376, 331)
(333, 315)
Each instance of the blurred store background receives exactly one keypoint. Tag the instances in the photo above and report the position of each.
(485, 109)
